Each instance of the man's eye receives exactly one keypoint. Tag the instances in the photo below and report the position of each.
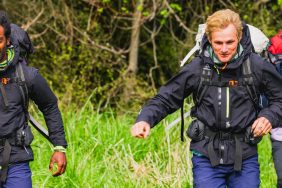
(230, 42)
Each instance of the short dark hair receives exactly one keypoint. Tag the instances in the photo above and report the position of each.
(5, 23)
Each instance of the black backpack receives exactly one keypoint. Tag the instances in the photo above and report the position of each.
(20, 38)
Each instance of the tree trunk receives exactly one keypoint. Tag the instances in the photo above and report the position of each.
(134, 41)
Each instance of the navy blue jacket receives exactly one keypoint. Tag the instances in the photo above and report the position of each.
(13, 117)
(234, 111)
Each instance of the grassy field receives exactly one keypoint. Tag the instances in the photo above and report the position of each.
(101, 153)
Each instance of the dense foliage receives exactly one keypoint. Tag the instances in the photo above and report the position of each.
(83, 46)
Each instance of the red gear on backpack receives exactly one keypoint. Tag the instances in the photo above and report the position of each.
(276, 44)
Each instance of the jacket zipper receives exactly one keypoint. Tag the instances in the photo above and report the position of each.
(227, 107)
(219, 105)
(219, 102)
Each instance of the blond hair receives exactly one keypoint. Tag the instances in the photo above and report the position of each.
(221, 19)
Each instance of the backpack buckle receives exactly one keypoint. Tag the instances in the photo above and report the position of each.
(232, 83)
(5, 81)
(225, 135)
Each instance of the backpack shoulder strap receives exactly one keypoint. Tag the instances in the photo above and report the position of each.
(248, 81)
(204, 82)
(23, 87)
(4, 96)
(25, 97)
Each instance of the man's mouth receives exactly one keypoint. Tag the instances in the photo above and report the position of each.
(224, 55)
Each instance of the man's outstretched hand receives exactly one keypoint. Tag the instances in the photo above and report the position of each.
(60, 159)
(140, 129)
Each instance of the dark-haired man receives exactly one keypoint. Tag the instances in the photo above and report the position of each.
(15, 134)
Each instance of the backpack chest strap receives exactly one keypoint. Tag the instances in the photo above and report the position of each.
(20, 80)
(229, 83)
(247, 80)
(6, 81)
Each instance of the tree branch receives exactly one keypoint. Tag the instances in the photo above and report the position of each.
(29, 23)
(109, 49)
(181, 23)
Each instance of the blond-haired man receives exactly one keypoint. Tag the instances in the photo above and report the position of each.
(225, 81)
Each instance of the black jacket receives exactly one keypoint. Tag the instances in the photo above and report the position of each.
(234, 107)
(13, 117)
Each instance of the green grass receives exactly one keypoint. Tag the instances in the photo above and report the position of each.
(102, 153)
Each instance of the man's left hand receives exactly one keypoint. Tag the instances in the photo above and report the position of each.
(261, 127)
(61, 160)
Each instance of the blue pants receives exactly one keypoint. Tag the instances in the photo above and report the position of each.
(19, 176)
(276, 154)
(206, 176)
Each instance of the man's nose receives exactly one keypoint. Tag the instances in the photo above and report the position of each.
(224, 48)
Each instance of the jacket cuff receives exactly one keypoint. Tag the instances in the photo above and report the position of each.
(60, 149)
(270, 118)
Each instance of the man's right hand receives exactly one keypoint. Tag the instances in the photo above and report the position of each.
(140, 129)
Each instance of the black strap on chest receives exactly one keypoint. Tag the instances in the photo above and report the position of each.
(205, 81)
(4, 96)
(23, 89)
(247, 81)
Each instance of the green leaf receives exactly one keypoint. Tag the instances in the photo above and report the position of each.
(245, 17)
(123, 9)
(163, 21)
(164, 13)
(275, 7)
(176, 7)
(145, 13)
(100, 10)
(140, 8)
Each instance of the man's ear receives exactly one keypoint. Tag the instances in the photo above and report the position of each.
(209, 38)
(8, 42)
(240, 37)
